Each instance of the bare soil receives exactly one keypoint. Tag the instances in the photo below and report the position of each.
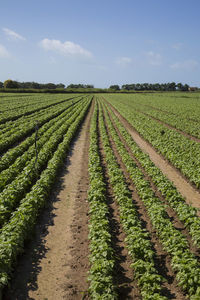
(191, 195)
(55, 263)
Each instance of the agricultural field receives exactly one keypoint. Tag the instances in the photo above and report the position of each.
(99, 196)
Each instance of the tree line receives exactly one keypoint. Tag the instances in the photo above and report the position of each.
(170, 86)
(35, 85)
(52, 87)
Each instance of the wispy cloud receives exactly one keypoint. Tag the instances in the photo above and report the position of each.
(3, 52)
(154, 59)
(124, 61)
(67, 48)
(12, 35)
(187, 65)
(177, 46)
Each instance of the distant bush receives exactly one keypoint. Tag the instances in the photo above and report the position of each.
(10, 84)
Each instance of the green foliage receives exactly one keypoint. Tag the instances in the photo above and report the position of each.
(137, 238)
(114, 87)
(10, 84)
(23, 219)
(184, 263)
(101, 257)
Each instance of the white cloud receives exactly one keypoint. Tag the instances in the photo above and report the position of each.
(185, 65)
(124, 61)
(177, 46)
(67, 48)
(12, 35)
(3, 52)
(154, 59)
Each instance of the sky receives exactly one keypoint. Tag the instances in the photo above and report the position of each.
(100, 42)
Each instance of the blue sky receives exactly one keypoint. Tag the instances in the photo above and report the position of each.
(100, 42)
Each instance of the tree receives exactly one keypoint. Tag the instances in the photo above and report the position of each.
(179, 86)
(60, 86)
(185, 87)
(114, 87)
(10, 84)
(1, 84)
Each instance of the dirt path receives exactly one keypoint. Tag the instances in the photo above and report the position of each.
(55, 265)
(191, 195)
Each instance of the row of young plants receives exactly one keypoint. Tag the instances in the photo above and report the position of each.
(14, 115)
(137, 238)
(13, 101)
(9, 124)
(177, 119)
(183, 262)
(185, 106)
(182, 152)
(186, 213)
(191, 128)
(9, 103)
(43, 136)
(23, 220)
(11, 127)
(8, 141)
(101, 253)
(18, 188)
(12, 154)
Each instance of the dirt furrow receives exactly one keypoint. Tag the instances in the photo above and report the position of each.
(55, 263)
(162, 260)
(191, 195)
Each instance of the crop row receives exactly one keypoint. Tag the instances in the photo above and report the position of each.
(137, 238)
(183, 262)
(7, 142)
(11, 155)
(11, 127)
(176, 148)
(192, 128)
(186, 213)
(26, 111)
(33, 102)
(9, 103)
(23, 220)
(101, 253)
(44, 135)
(183, 105)
(177, 119)
(17, 189)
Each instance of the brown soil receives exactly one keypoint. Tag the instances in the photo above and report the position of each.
(162, 260)
(191, 195)
(55, 264)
